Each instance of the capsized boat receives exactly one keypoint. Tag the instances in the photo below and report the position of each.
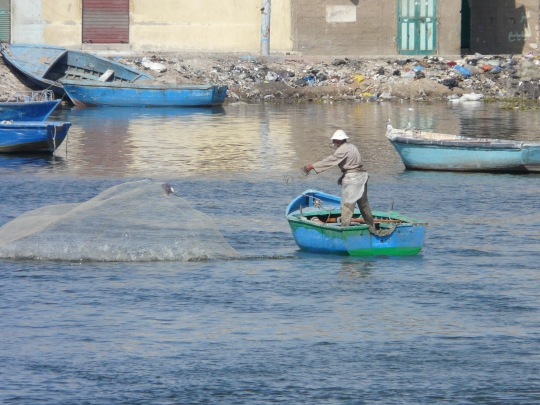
(314, 220)
(423, 150)
(46, 65)
(92, 93)
(28, 106)
(32, 137)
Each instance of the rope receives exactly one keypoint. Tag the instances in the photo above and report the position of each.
(317, 203)
(54, 138)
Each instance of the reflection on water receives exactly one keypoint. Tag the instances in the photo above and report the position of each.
(176, 142)
(30, 162)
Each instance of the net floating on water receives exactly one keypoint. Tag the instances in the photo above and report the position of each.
(137, 221)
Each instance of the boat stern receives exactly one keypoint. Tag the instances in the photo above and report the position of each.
(219, 94)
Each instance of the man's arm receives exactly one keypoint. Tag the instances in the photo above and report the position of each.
(330, 161)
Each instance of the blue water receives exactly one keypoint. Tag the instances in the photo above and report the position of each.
(456, 324)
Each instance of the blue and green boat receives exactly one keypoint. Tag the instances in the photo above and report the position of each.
(314, 220)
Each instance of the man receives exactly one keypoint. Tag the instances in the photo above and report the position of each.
(353, 179)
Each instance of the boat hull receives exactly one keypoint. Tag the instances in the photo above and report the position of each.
(422, 157)
(28, 110)
(32, 137)
(137, 95)
(431, 151)
(405, 240)
(356, 240)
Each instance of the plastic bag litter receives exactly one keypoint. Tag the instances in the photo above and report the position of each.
(137, 221)
(450, 83)
(463, 71)
(271, 76)
(359, 78)
(158, 67)
(471, 97)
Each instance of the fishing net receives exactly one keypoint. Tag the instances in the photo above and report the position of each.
(137, 221)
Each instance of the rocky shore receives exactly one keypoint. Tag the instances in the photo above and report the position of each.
(289, 78)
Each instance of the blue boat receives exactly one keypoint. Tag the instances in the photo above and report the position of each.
(32, 137)
(314, 220)
(91, 93)
(422, 150)
(46, 65)
(28, 106)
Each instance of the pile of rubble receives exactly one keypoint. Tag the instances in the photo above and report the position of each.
(292, 78)
(10, 84)
(253, 79)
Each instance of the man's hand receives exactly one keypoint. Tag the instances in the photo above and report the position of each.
(340, 180)
(307, 168)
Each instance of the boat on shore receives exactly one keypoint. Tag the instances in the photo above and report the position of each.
(90, 80)
(421, 150)
(91, 93)
(28, 106)
(47, 65)
(32, 137)
(314, 220)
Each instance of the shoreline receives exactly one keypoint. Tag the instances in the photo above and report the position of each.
(292, 79)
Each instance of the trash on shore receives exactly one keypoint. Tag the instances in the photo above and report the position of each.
(295, 79)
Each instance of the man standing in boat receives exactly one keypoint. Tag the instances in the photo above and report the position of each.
(353, 180)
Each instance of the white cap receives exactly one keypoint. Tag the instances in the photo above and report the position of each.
(339, 135)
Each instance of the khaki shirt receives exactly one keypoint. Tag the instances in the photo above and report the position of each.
(346, 157)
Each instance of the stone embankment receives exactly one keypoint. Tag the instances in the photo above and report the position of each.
(296, 79)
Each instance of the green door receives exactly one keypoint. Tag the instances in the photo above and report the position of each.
(5, 21)
(417, 27)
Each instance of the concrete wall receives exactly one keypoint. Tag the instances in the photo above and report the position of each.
(449, 27)
(504, 26)
(363, 27)
(160, 25)
(55, 22)
(209, 25)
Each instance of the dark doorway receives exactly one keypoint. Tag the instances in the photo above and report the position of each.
(501, 27)
(465, 27)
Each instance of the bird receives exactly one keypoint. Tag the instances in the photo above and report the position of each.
(388, 125)
(168, 189)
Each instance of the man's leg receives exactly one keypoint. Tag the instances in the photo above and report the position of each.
(365, 210)
(347, 211)
(363, 203)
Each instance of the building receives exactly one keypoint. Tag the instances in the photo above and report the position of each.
(305, 27)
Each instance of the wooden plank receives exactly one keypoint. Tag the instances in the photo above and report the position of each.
(106, 76)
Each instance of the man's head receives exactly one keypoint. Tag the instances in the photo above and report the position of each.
(339, 138)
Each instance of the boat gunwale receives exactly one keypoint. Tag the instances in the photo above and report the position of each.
(415, 138)
(34, 124)
(53, 64)
(141, 86)
(349, 229)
